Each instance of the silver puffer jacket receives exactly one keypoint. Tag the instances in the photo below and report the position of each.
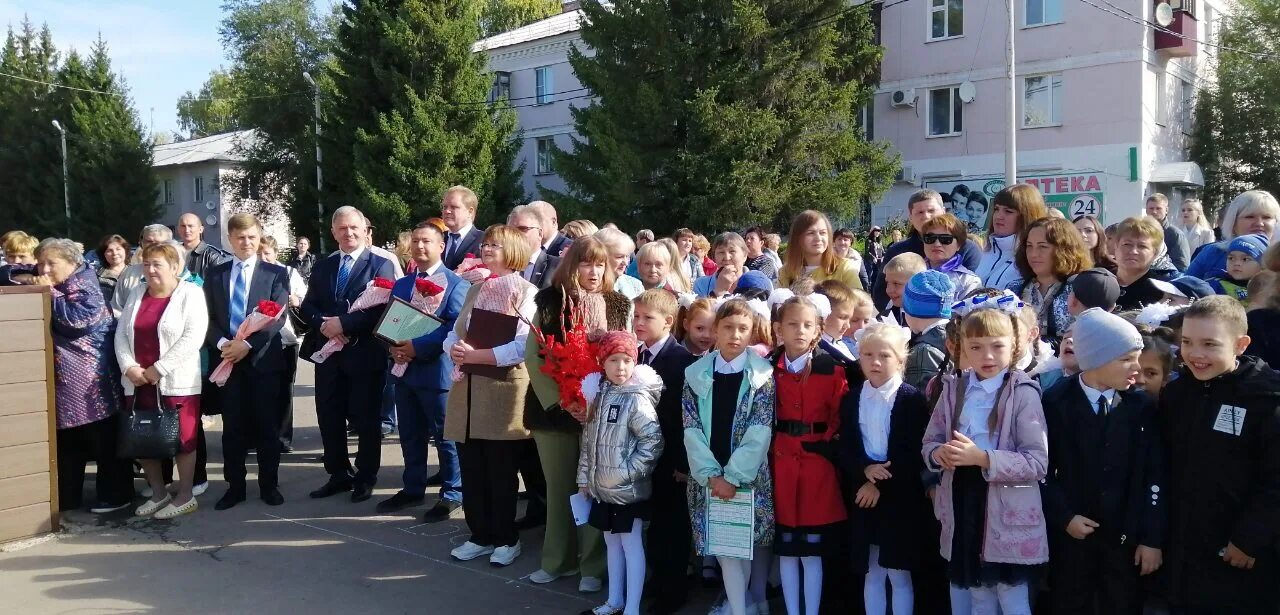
(622, 440)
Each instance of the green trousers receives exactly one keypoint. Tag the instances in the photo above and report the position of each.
(566, 547)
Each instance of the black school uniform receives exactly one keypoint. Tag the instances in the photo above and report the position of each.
(1223, 438)
(670, 534)
(1109, 468)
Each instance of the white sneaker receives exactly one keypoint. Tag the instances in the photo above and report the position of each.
(469, 551)
(589, 585)
(542, 577)
(503, 556)
(199, 489)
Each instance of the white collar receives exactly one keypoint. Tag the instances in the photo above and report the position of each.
(533, 259)
(433, 269)
(1006, 243)
(798, 365)
(734, 366)
(884, 392)
(248, 263)
(463, 232)
(1093, 394)
(549, 240)
(355, 254)
(990, 385)
(657, 347)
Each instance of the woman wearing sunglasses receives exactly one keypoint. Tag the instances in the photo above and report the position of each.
(944, 238)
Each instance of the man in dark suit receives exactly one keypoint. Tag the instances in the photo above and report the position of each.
(420, 394)
(553, 241)
(249, 399)
(669, 531)
(528, 220)
(458, 210)
(349, 384)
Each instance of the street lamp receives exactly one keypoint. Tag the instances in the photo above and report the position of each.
(319, 185)
(66, 190)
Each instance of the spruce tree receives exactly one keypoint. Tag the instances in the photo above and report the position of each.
(30, 152)
(723, 113)
(413, 101)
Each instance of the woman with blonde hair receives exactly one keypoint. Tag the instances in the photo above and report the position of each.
(580, 228)
(1194, 225)
(1254, 211)
(657, 266)
(811, 253)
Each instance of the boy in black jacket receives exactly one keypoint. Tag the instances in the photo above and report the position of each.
(1221, 425)
(670, 533)
(1102, 496)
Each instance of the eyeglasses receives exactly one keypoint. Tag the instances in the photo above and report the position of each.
(932, 238)
(491, 246)
(526, 229)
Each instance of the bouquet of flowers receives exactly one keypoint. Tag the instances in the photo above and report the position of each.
(266, 313)
(567, 361)
(377, 292)
(472, 269)
(427, 295)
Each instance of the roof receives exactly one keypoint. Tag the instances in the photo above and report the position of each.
(216, 147)
(555, 25)
(1177, 173)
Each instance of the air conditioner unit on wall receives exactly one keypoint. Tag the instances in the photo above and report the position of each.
(903, 98)
(906, 175)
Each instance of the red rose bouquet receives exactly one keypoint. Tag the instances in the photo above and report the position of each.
(377, 292)
(266, 313)
(427, 295)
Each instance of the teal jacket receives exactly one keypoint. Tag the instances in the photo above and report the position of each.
(752, 421)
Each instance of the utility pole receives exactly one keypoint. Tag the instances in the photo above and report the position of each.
(66, 190)
(319, 173)
(1011, 146)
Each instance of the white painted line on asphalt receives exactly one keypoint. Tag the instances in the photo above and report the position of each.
(448, 563)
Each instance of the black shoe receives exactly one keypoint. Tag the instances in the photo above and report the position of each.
(361, 492)
(333, 487)
(272, 497)
(232, 497)
(286, 448)
(434, 480)
(399, 502)
(533, 517)
(441, 511)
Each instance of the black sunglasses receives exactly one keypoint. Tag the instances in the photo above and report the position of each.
(932, 238)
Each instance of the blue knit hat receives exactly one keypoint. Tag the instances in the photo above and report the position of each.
(754, 280)
(928, 295)
(1253, 245)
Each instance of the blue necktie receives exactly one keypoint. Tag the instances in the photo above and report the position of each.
(239, 297)
(344, 272)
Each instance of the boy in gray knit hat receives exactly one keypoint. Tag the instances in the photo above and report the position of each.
(1103, 503)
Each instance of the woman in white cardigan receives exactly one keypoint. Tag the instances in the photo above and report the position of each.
(158, 339)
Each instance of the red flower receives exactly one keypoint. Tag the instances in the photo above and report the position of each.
(383, 283)
(269, 308)
(469, 255)
(428, 288)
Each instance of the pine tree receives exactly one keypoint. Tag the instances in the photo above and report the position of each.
(30, 153)
(723, 113)
(413, 101)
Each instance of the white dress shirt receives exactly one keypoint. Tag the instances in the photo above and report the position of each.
(510, 353)
(734, 366)
(528, 269)
(1093, 395)
(839, 344)
(430, 271)
(245, 268)
(798, 365)
(979, 402)
(654, 349)
(875, 407)
(462, 236)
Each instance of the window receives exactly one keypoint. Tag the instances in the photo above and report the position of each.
(1042, 101)
(1210, 27)
(946, 18)
(199, 189)
(546, 146)
(545, 88)
(501, 86)
(1186, 104)
(946, 112)
(1162, 106)
(1040, 12)
(865, 119)
(167, 190)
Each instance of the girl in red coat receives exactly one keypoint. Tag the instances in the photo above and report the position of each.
(809, 510)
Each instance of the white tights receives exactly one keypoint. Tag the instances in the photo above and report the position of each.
(999, 600)
(735, 573)
(812, 584)
(873, 589)
(626, 565)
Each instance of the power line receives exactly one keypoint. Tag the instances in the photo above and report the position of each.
(1126, 15)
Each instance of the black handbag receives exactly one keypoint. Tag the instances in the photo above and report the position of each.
(149, 434)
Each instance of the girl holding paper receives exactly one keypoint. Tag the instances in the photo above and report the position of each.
(728, 404)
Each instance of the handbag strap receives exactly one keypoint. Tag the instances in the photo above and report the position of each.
(159, 400)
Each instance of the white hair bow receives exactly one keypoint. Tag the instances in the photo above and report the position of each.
(686, 299)
(1155, 314)
(819, 302)
(1006, 302)
(758, 306)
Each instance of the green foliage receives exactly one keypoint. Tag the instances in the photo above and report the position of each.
(213, 110)
(503, 15)
(112, 187)
(409, 106)
(723, 113)
(1236, 139)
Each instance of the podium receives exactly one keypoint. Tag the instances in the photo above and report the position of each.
(28, 457)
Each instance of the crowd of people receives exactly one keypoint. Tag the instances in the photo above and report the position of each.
(1046, 414)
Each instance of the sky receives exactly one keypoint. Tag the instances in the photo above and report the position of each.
(162, 48)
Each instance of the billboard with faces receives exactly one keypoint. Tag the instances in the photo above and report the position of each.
(969, 199)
